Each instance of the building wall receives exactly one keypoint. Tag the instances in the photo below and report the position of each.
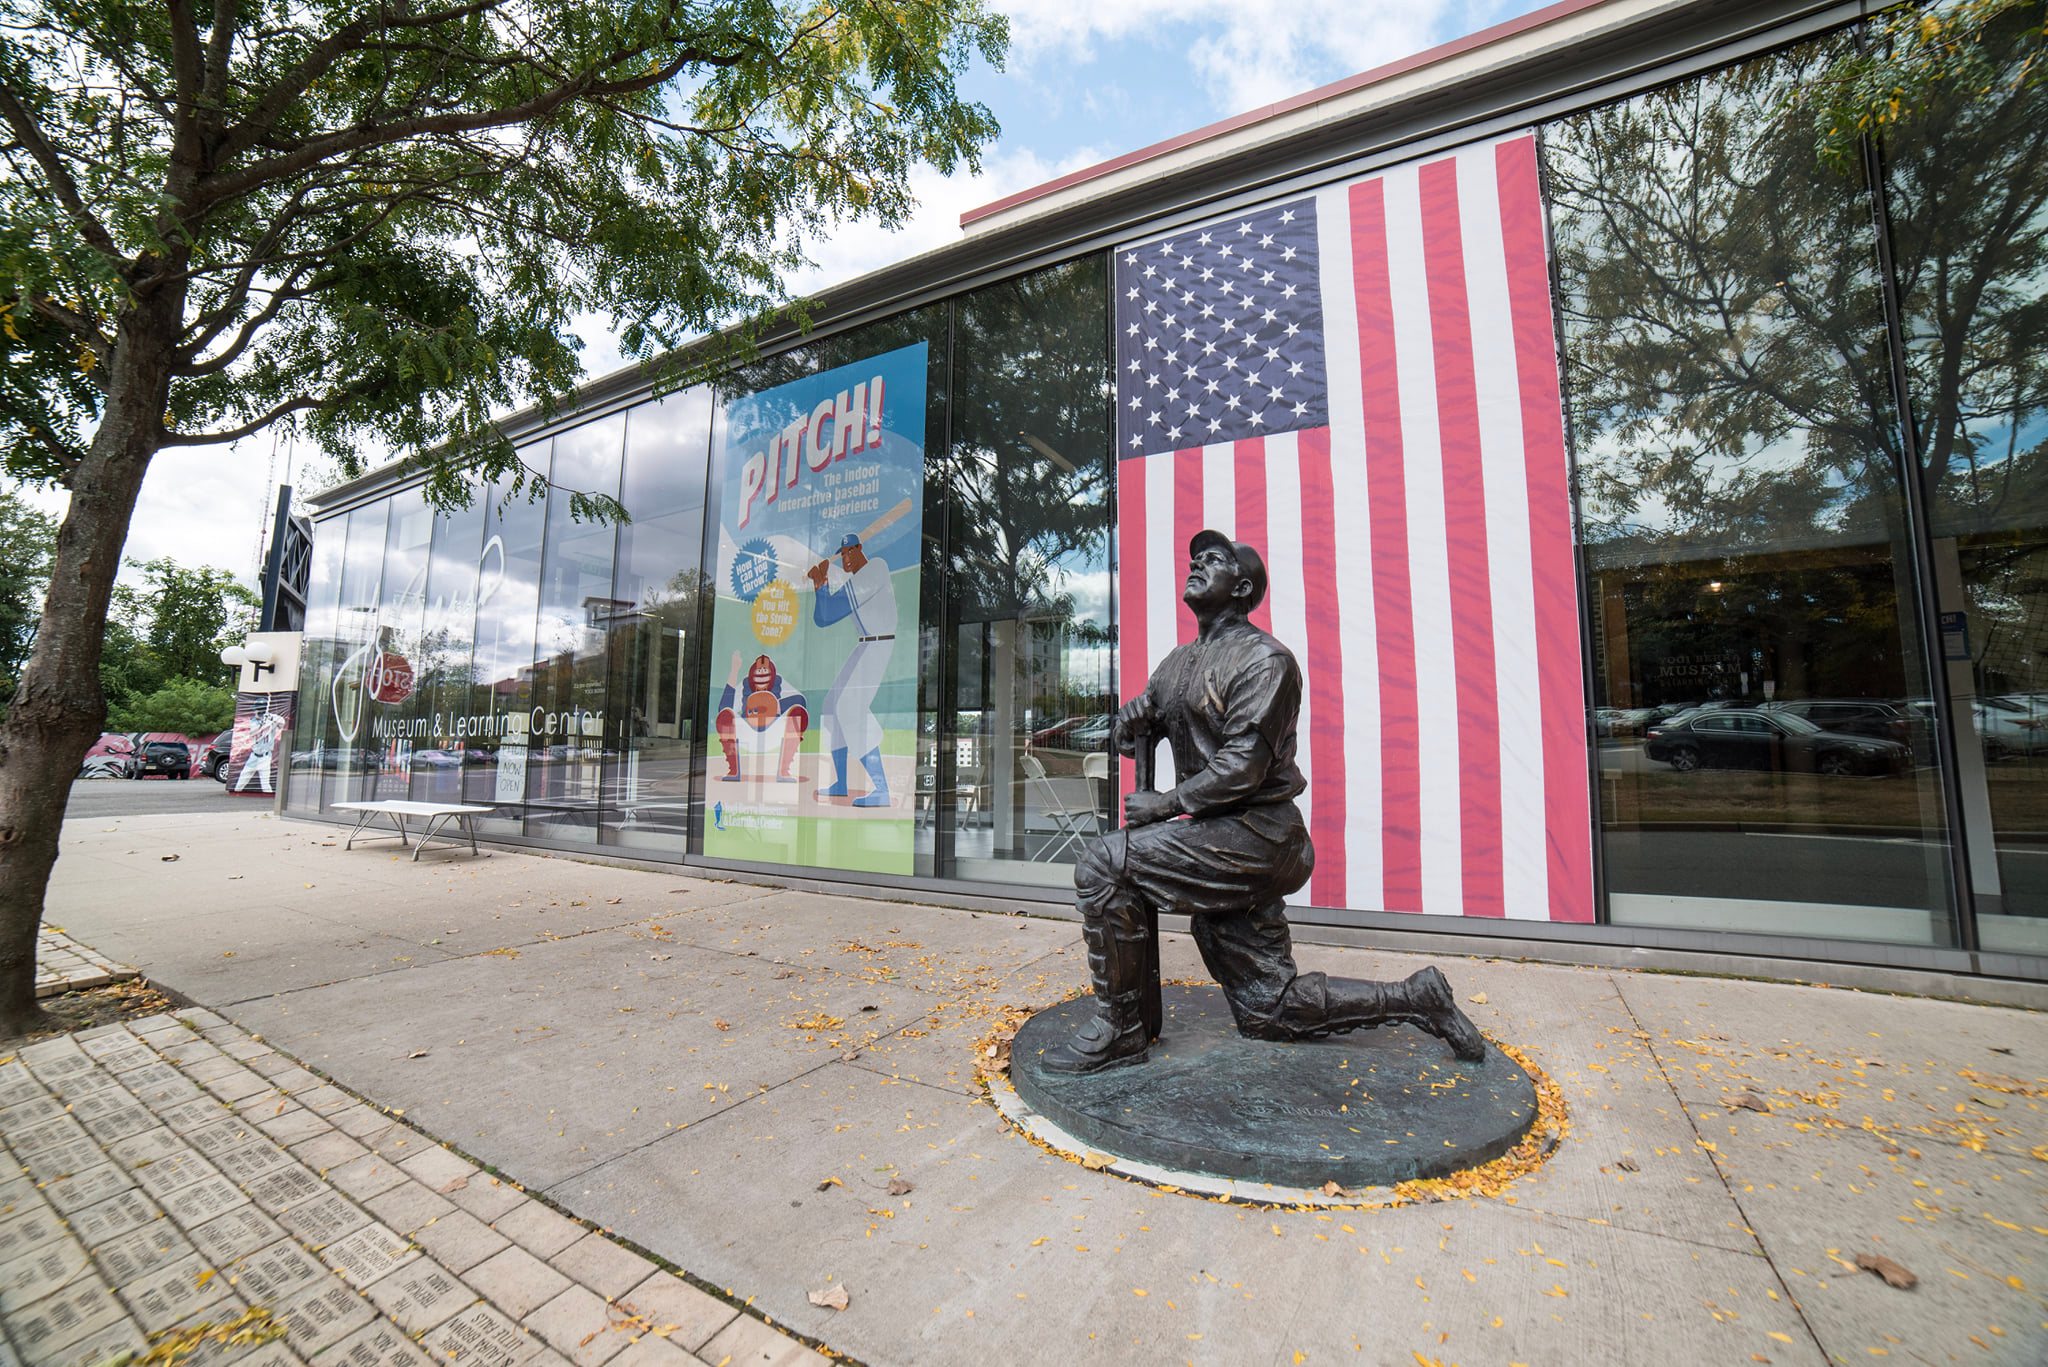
(1625, 613)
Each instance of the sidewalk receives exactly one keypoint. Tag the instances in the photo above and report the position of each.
(182, 1184)
(690, 1063)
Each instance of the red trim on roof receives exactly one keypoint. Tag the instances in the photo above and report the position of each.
(1429, 57)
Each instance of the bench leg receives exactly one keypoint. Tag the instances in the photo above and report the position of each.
(399, 821)
(434, 823)
(469, 827)
(362, 819)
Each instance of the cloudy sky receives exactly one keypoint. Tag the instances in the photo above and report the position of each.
(1084, 82)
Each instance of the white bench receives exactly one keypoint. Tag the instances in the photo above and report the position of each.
(438, 815)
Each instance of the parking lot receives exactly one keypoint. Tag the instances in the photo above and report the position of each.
(155, 796)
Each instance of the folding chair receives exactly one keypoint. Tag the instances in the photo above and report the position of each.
(1068, 826)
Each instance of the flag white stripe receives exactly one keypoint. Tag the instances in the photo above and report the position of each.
(1289, 596)
(1524, 856)
(1352, 595)
(1436, 676)
(1163, 574)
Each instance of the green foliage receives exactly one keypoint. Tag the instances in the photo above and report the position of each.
(1918, 58)
(185, 706)
(26, 536)
(171, 628)
(382, 219)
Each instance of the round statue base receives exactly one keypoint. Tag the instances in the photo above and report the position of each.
(1366, 1109)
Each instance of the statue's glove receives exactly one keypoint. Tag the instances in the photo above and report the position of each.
(1142, 808)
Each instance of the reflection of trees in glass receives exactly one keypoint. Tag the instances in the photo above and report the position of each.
(1725, 354)
(1967, 175)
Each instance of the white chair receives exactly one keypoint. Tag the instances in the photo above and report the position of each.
(1070, 825)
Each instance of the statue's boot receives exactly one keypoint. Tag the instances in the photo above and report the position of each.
(1422, 999)
(1116, 1033)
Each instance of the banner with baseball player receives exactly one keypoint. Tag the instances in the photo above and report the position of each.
(814, 622)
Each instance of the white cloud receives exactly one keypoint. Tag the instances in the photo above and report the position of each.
(1242, 55)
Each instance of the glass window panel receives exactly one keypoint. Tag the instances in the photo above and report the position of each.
(565, 765)
(1737, 455)
(320, 655)
(501, 670)
(394, 706)
(833, 844)
(1967, 184)
(1028, 575)
(651, 635)
(442, 658)
(350, 759)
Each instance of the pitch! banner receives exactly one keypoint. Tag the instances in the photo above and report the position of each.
(813, 748)
(1363, 382)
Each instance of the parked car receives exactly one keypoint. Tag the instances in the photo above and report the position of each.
(171, 758)
(214, 760)
(1754, 738)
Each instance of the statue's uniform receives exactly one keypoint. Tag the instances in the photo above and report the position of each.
(1227, 707)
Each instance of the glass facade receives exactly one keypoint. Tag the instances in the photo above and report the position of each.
(1806, 413)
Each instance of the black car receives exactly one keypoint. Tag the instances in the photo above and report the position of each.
(1851, 716)
(171, 758)
(1776, 741)
(215, 757)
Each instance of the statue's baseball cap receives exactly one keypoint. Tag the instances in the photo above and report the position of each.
(1249, 562)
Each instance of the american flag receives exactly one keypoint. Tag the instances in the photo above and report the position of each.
(1362, 382)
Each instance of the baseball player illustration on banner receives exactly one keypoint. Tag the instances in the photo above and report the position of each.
(860, 591)
(768, 718)
(820, 487)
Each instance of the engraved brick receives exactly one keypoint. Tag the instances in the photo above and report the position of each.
(324, 1219)
(188, 1117)
(207, 1199)
(140, 1252)
(377, 1344)
(315, 1319)
(127, 1058)
(368, 1253)
(112, 1114)
(28, 1113)
(173, 1293)
(169, 1174)
(293, 1125)
(238, 1086)
(88, 1188)
(73, 1155)
(420, 1295)
(273, 1275)
(109, 1344)
(18, 1084)
(252, 1161)
(653, 1352)
(29, 1231)
(80, 1309)
(241, 1231)
(228, 1132)
(481, 1337)
(285, 1187)
(149, 1146)
(114, 1217)
(43, 1271)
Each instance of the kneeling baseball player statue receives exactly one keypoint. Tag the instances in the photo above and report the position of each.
(1225, 845)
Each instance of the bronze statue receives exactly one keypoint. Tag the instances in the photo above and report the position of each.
(1227, 703)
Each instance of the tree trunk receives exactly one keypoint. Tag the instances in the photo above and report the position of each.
(58, 708)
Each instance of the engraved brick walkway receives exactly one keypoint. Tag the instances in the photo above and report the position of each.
(64, 965)
(176, 1172)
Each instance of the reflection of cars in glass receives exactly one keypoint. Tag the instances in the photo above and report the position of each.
(436, 759)
(171, 758)
(2005, 725)
(215, 757)
(1851, 716)
(1075, 733)
(1749, 738)
(338, 759)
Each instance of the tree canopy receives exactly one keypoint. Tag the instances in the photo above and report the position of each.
(384, 219)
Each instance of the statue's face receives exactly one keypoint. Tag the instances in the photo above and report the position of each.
(1213, 580)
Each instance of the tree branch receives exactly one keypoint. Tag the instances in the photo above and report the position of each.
(30, 135)
(249, 428)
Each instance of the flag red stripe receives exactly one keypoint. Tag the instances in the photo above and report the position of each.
(1387, 515)
(1324, 667)
(1132, 655)
(1187, 518)
(1248, 460)
(1567, 804)
(1471, 584)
